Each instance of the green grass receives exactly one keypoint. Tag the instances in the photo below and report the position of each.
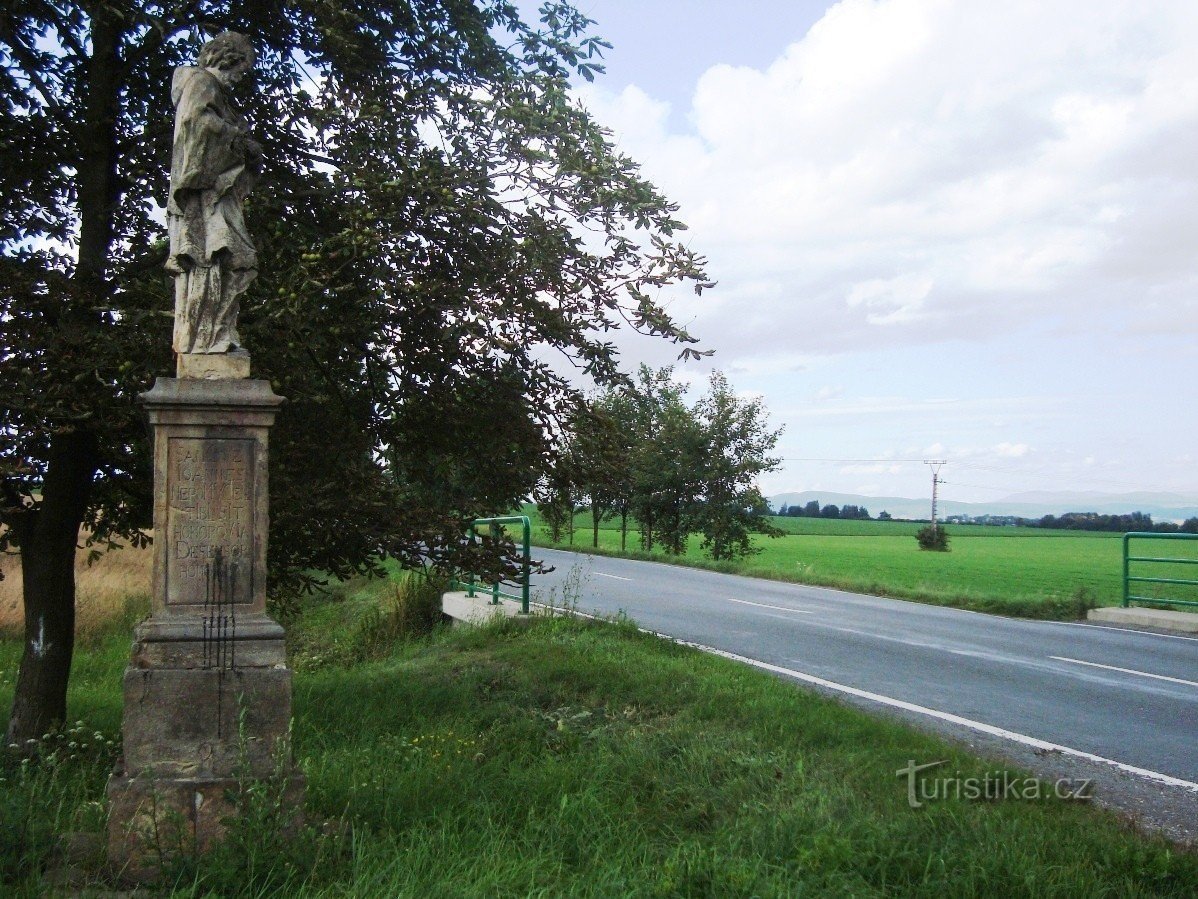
(1029, 572)
(584, 759)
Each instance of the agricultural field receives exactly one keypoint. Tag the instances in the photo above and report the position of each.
(1030, 572)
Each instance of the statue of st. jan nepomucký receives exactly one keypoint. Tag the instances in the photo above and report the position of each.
(213, 167)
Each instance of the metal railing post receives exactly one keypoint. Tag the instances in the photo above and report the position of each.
(525, 564)
(496, 589)
(470, 576)
(1126, 571)
(495, 586)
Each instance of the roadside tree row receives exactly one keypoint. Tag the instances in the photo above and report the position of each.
(640, 454)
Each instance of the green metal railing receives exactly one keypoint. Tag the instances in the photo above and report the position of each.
(1128, 577)
(496, 589)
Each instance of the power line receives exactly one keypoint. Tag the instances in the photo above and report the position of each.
(977, 486)
(794, 459)
(1019, 473)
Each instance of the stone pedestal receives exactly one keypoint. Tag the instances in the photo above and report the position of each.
(207, 691)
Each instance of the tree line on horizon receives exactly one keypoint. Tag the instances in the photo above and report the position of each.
(641, 453)
(1095, 521)
(1069, 521)
(813, 509)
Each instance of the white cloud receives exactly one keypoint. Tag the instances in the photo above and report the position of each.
(918, 170)
(1012, 450)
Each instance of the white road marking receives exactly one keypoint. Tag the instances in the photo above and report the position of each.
(614, 577)
(1125, 630)
(981, 727)
(1175, 680)
(762, 605)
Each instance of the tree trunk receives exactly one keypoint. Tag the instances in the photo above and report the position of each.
(49, 534)
(595, 525)
(623, 530)
(48, 540)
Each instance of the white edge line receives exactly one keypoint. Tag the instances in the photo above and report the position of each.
(1175, 680)
(979, 726)
(1125, 630)
(762, 605)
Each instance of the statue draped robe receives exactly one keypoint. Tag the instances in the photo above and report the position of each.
(211, 255)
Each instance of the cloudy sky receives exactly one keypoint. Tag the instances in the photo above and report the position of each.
(941, 228)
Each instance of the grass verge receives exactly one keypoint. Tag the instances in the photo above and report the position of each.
(588, 759)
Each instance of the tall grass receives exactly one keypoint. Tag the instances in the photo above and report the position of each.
(115, 586)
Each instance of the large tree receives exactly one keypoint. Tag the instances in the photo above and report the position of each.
(435, 211)
(738, 446)
(667, 460)
(602, 451)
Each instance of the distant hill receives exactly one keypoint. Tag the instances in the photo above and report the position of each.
(1161, 506)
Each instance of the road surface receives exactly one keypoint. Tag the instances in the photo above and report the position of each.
(1128, 697)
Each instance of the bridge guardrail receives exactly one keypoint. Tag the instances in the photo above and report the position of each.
(496, 589)
(1129, 578)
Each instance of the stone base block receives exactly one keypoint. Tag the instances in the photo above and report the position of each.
(154, 820)
(213, 366)
(205, 723)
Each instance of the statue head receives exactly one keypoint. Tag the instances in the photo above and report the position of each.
(228, 56)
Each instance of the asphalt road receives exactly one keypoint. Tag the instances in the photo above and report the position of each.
(1126, 696)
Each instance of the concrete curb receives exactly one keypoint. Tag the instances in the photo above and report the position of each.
(1183, 622)
(478, 609)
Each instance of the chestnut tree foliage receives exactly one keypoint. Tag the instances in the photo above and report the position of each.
(435, 213)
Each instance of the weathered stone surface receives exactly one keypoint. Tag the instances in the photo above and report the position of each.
(207, 692)
(212, 722)
(253, 641)
(155, 819)
(213, 366)
(210, 496)
(214, 164)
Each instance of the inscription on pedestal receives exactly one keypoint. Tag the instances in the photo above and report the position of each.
(210, 524)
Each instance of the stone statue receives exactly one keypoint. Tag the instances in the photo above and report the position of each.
(213, 167)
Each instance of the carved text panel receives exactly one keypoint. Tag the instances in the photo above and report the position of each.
(210, 521)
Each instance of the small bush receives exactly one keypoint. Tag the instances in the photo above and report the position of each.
(412, 609)
(932, 538)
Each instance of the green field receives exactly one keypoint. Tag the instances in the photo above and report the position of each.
(1029, 572)
(570, 758)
